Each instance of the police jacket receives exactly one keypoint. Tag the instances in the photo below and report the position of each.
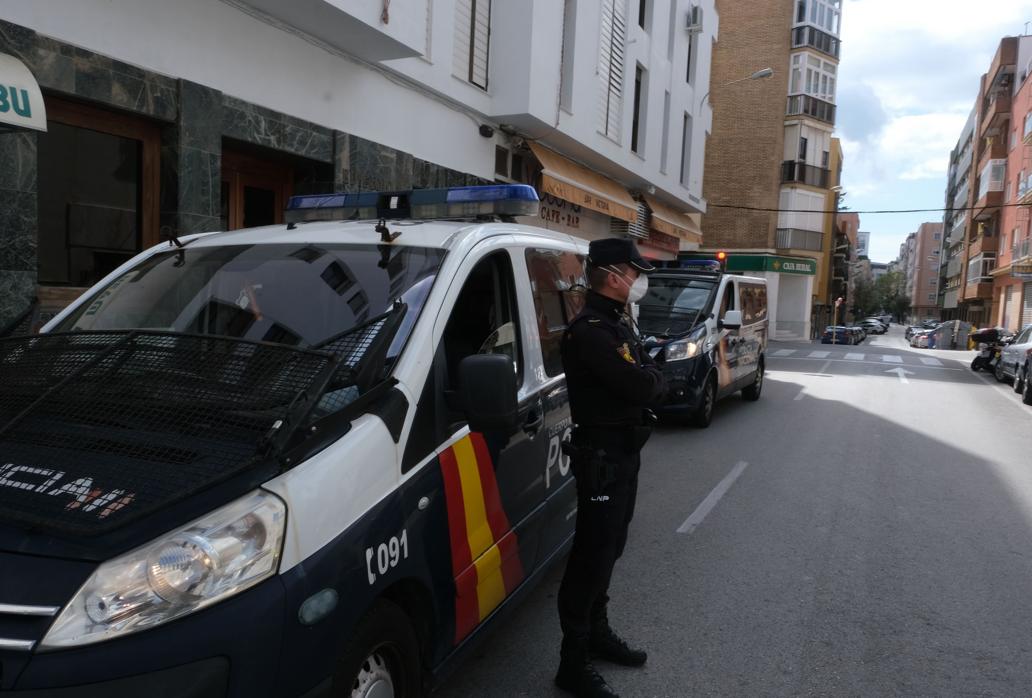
(609, 377)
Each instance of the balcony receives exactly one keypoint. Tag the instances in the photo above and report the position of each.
(980, 244)
(356, 27)
(949, 299)
(997, 150)
(813, 37)
(979, 290)
(1021, 251)
(796, 239)
(801, 173)
(1027, 138)
(988, 205)
(953, 267)
(990, 190)
(995, 110)
(805, 105)
(1025, 190)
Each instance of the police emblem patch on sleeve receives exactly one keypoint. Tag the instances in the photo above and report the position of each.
(625, 351)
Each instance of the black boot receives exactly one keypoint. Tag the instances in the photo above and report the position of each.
(576, 675)
(605, 644)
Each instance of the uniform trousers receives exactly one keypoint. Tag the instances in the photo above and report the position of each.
(603, 517)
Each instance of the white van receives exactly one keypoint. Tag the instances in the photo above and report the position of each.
(313, 459)
(710, 331)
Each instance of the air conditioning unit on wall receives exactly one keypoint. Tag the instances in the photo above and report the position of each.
(694, 20)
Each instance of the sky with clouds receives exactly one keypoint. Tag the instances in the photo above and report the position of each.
(908, 79)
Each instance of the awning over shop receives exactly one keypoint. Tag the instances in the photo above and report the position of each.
(667, 219)
(565, 179)
(21, 102)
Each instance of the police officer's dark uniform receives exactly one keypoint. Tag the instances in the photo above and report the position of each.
(611, 381)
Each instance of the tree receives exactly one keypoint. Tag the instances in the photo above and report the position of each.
(890, 290)
(865, 297)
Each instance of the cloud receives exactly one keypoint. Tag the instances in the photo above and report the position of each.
(908, 79)
(862, 115)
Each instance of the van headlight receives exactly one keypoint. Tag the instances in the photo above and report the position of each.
(687, 348)
(207, 561)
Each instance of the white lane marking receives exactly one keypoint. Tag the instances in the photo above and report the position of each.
(784, 352)
(801, 395)
(692, 522)
(890, 359)
(825, 367)
(819, 354)
(902, 373)
(874, 363)
(855, 357)
(929, 361)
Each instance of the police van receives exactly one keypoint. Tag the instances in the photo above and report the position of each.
(312, 459)
(709, 330)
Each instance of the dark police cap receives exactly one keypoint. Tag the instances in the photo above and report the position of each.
(602, 253)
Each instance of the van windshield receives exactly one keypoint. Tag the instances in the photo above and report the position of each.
(673, 305)
(298, 295)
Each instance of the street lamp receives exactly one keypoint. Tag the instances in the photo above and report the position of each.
(758, 75)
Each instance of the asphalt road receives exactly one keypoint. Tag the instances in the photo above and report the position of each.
(876, 541)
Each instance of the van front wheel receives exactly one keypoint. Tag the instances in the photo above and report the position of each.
(382, 658)
(752, 392)
(704, 413)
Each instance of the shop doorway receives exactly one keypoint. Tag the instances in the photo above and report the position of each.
(254, 189)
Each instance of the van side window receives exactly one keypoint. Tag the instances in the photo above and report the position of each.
(485, 319)
(727, 302)
(752, 299)
(558, 282)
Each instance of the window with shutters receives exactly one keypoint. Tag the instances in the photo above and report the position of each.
(686, 149)
(612, 35)
(472, 41)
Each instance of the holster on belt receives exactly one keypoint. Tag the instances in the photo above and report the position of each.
(592, 469)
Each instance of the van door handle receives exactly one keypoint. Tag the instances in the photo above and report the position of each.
(535, 418)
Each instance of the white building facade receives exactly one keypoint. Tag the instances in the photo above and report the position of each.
(227, 107)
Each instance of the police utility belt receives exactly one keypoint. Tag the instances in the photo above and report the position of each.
(598, 453)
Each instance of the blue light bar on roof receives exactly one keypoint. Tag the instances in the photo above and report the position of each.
(707, 265)
(418, 204)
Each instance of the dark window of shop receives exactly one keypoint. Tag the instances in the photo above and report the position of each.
(255, 189)
(98, 179)
(558, 283)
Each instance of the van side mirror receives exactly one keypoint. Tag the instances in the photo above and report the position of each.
(732, 320)
(488, 390)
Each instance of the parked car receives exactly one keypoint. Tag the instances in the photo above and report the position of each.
(920, 338)
(859, 333)
(836, 335)
(911, 329)
(1013, 363)
(929, 323)
(874, 326)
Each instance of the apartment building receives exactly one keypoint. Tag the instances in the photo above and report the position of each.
(768, 164)
(203, 115)
(985, 265)
(1012, 277)
(956, 221)
(919, 261)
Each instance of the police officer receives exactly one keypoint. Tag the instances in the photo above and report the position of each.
(611, 381)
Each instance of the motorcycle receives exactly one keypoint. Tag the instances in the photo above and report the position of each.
(990, 347)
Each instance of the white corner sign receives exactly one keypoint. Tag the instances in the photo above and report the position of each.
(21, 102)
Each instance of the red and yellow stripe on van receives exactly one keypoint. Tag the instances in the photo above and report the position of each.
(485, 553)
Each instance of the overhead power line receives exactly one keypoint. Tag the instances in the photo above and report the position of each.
(902, 210)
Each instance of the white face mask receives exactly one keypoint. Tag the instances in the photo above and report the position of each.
(638, 288)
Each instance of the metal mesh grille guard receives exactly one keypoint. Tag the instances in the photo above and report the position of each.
(100, 428)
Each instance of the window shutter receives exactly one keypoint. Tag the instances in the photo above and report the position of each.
(472, 41)
(612, 35)
(481, 43)
(463, 22)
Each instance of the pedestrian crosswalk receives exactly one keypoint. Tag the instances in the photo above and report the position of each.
(894, 359)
